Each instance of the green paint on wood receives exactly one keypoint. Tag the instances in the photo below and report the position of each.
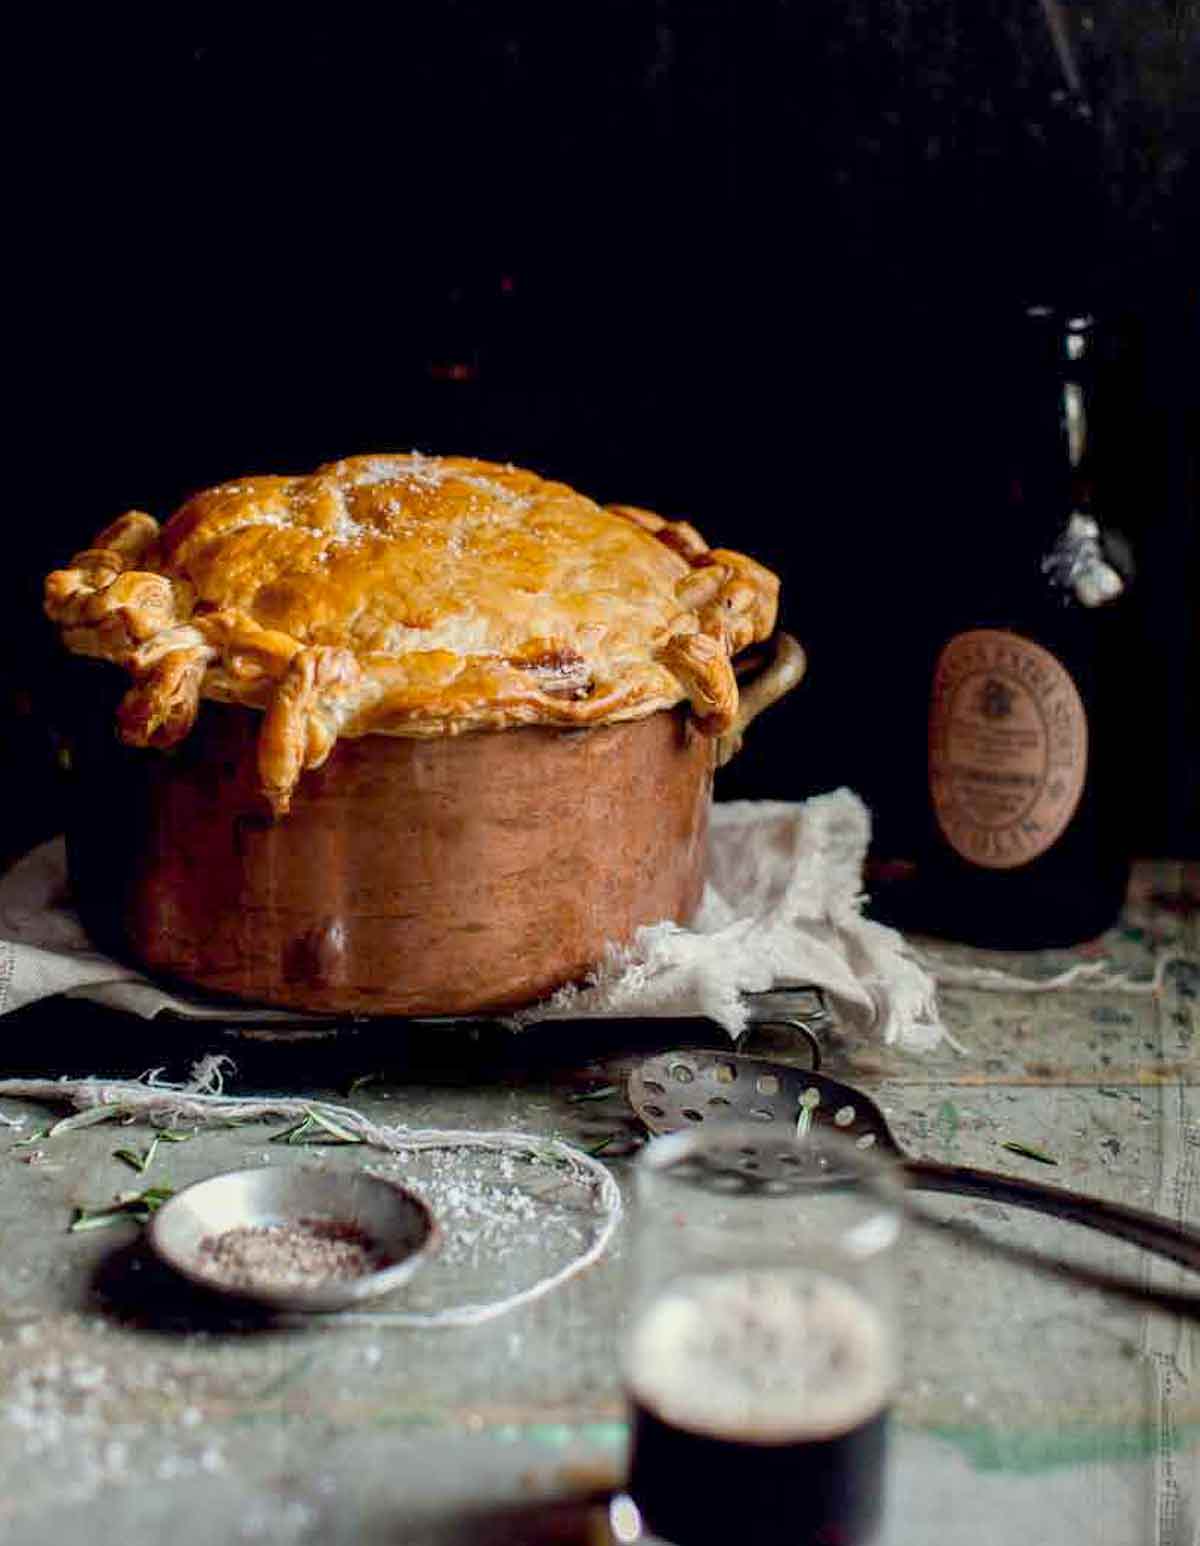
(604, 1435)
(947, 1121)
(1045, 1449)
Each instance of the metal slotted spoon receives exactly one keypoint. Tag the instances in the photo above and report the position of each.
(675, 1090)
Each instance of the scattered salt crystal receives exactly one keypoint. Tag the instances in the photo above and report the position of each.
(506, 1220)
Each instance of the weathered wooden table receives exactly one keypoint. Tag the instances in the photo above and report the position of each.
(1031, 1412)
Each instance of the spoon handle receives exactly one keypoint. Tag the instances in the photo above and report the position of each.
(1145, 1229)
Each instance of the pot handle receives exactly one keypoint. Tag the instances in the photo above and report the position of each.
(785, 669)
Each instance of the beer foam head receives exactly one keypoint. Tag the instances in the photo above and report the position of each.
(762, 1356)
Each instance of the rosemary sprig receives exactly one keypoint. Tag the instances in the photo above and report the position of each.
(140, 1160)
(298, 1132)
(809, 1102)
(135, 1206)
(1027, 1151)
(315, 1128)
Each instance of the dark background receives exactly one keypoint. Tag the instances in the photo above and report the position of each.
(754, 265)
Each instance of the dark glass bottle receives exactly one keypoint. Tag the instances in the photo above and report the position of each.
(1025, 840)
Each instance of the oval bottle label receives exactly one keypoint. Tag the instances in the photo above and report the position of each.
(1007, 747)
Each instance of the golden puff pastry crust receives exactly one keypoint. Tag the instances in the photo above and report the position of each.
(408, 595)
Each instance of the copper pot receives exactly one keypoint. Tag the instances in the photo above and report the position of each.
(411, 877)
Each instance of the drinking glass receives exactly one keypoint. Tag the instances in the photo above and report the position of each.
(761, 1356)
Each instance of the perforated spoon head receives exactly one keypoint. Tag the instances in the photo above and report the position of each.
(686, 1087)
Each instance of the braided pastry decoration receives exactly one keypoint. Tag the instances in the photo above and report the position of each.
(408, 595)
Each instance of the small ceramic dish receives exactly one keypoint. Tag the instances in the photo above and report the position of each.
(339, 1238)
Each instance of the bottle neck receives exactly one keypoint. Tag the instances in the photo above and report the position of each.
(1054, 385)
(1054, 521)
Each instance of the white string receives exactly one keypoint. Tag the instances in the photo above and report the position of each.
(1087, 976)
(203, 1100)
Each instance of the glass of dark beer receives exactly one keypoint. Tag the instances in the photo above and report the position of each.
(761, 1355)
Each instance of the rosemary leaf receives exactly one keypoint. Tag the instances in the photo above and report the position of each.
(148, 1201)
(155, 1196)
(601, 1094)
(140, 1160)
(335, 1130)
(809, 1102)
(35, 1137)
(133, 1206)
(294, 1133)
(100, 1219)
(315, 1128)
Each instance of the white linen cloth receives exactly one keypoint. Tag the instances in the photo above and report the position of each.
(782, 906)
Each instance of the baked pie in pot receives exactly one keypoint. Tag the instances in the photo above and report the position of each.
(442, 729)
